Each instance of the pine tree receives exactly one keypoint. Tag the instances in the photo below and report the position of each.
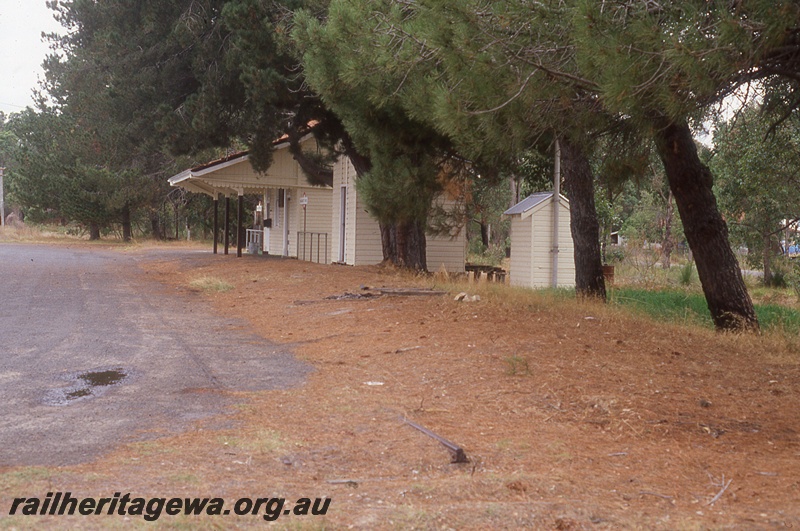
(756, 170)
(52, 175)
(163, 78)
(451, 67)
(407, 158)
(664, 64)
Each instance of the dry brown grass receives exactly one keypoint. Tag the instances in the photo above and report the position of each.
(209, 283)
(31, 234)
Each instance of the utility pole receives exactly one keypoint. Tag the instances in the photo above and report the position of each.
(556, 207)
(2, 200)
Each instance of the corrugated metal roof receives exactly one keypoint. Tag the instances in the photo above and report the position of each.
(232, 156)
(238, 156)
(528, 203)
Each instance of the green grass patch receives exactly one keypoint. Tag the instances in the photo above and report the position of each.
(777, 317)
(690, 308)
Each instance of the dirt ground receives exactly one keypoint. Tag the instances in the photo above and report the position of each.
(572, 416)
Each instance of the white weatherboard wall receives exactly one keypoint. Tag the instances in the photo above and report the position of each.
(363, 236)
(447, 250)
(317, 219)
(532, 242)
(519, 272)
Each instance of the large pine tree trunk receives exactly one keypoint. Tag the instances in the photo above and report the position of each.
(404, 245)
(585, 228)
(706, 232)
(388, 234)
(415, 246)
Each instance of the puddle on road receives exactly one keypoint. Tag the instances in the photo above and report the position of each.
(103, 378)
(72, 395)
(87, 384)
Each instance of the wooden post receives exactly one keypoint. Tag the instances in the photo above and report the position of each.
(239, 231)
(216, 221)
(227, 222)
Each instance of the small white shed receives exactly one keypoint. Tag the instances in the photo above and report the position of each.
(532, 242)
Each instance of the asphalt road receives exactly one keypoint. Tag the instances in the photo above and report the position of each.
(93, 355)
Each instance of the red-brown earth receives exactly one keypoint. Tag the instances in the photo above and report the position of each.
(573, 415)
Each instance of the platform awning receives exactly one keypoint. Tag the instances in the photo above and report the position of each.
(207, 179)
(235, 175)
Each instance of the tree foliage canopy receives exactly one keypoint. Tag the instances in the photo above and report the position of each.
(757, 180)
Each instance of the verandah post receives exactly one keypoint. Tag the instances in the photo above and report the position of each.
(227, 222)
(239, 231)
(216, 221)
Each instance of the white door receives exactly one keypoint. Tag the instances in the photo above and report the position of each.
(286, 198)
(267, 216)
(342, 223)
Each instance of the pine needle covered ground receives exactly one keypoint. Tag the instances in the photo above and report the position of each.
(572, 415)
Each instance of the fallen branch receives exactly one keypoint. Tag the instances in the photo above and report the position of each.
(719, 494)
(456, 452)
(349, 482)
(406, 349)
(409, 292)
(648, 493)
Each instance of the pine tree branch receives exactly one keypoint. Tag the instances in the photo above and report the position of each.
(508, 101)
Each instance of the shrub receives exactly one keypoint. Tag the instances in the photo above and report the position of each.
(793, 277)
(614, 254)
(686, 273)
(779, 279)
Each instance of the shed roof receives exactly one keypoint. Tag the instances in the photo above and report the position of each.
(526, 206)
(528, 203)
